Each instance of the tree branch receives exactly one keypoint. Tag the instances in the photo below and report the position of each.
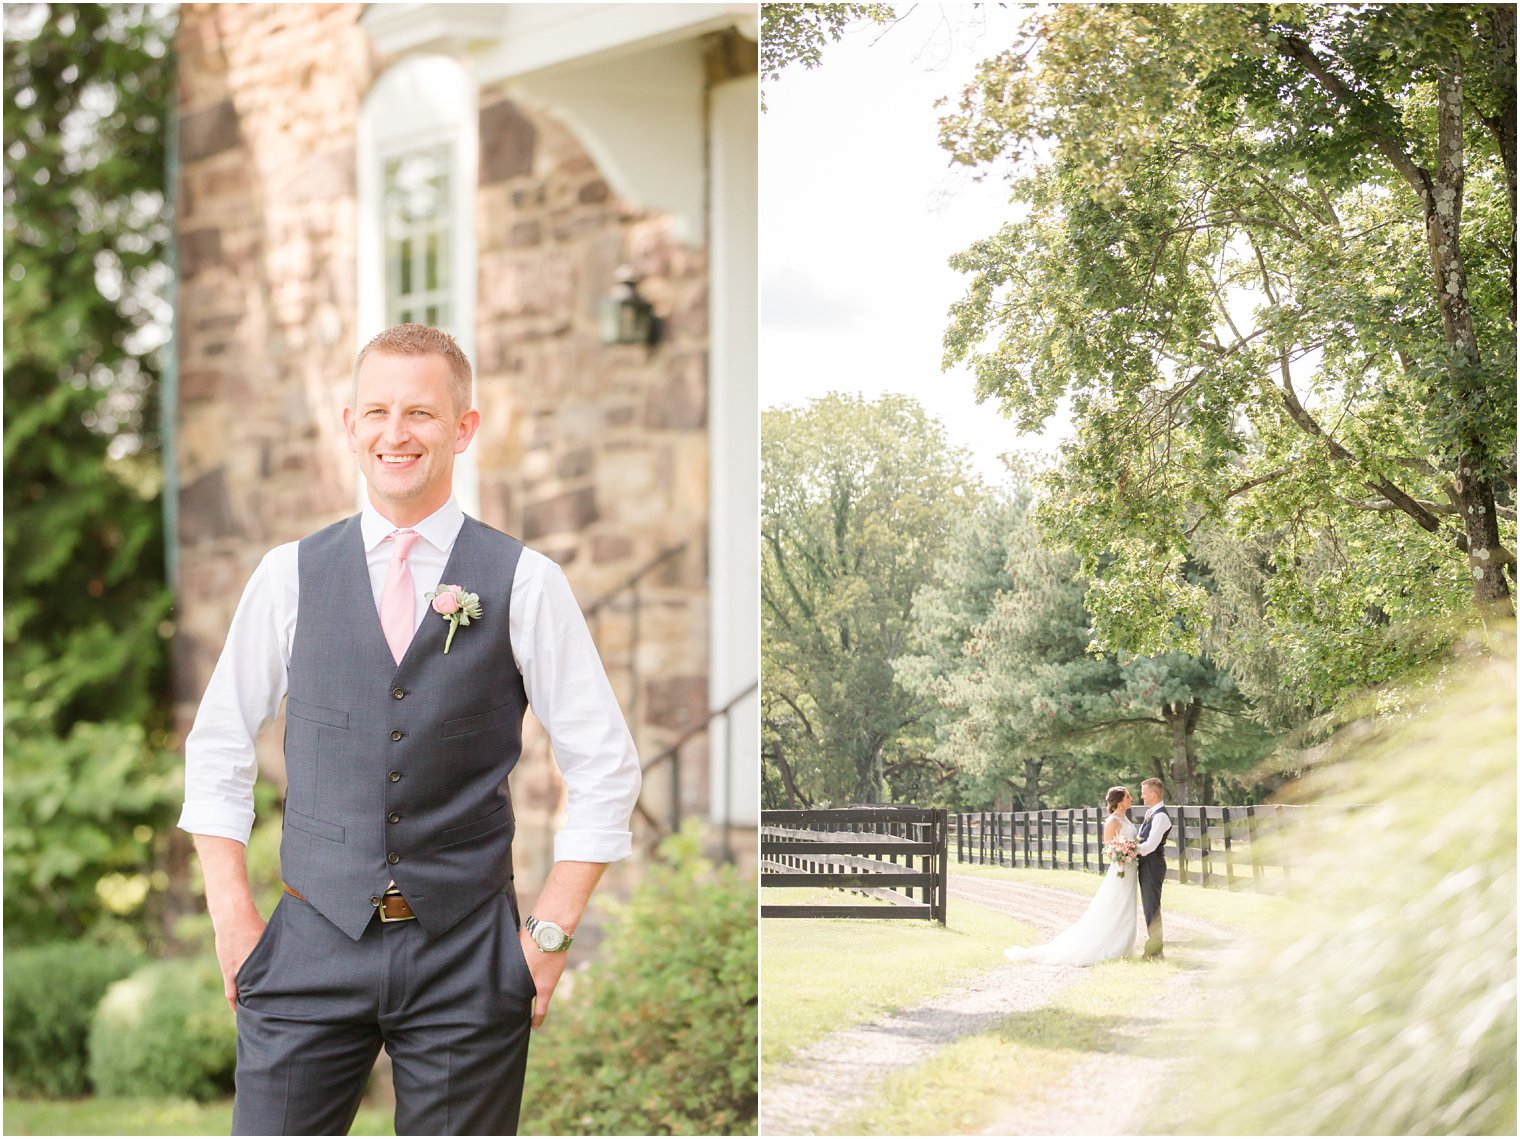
(1298, 50)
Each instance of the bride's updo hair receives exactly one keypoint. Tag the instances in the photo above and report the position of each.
(1114, 797)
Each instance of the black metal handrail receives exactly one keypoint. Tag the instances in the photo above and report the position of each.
(630, 588)
(672, 754)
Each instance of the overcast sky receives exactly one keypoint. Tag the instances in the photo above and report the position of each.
(859, 212)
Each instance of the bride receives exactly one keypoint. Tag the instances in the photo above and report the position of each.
(1107, 928)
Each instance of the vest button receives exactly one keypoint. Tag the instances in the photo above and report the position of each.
(399, 693)
(396, 735)
(394, 817)
(393, 858)
(395, 777)
(374, 899)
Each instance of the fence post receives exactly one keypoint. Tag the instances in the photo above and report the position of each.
(1252, 841)
(1281, 846)
(941, 894)
(1229, 852)
(1181, 844)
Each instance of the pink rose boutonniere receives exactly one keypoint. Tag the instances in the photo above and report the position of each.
(455, 606)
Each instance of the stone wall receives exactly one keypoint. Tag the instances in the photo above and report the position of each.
(595, 455)
(265, 324)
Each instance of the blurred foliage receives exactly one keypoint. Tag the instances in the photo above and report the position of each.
(659, 1035)
(1221, 264)
(89, 789)
(857, 499)
(797, 33)
(165, 1030)
(1386, 1004)
(50, 996)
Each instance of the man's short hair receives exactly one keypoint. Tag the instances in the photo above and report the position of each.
(1156, 783)
(421, 340)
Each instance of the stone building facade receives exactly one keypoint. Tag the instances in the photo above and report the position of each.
(600, 455)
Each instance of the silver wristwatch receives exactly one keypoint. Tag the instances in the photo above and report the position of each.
(547, 935)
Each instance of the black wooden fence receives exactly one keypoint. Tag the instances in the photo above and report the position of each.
(866, 850)
(1230, 847)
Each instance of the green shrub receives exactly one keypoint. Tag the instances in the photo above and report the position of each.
(165, 1030)
(50, 996)
(659, 1035)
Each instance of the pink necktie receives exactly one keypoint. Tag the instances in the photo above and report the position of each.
(398, 600)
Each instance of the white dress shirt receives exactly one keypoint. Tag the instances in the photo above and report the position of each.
(566, 685)
(1158, 830)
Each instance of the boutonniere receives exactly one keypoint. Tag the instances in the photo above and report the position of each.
(455, 606)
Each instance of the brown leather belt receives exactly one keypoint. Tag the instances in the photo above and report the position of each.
(392, 906)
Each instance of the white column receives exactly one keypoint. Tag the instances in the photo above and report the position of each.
(733, 401)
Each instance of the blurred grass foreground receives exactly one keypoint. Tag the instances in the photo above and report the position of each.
(1389, 1007)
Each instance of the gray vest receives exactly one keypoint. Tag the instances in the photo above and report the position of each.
(400, 771)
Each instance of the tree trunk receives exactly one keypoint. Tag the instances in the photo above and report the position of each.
(1183, 719)
(870, 787)
(1501, 25)
(795, 799)
(1442, 201)
(1031, 793)
(179, 899)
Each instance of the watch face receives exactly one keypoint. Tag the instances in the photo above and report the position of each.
(548, 936)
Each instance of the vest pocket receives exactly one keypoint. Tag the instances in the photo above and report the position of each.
(332, 717)
(496, 820)
(330, 831)
(467, 724)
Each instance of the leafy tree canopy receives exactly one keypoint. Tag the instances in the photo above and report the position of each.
(1001, 638)
(857, 500)
(1267, 252)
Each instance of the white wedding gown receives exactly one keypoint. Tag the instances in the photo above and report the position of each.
(1105, 930)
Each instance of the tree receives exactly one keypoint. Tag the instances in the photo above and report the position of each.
(1002, 640)
(798, 33)
(857, 499)
(1270, 260)
(90, 783)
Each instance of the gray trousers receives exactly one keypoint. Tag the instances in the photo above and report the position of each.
(314, 1008)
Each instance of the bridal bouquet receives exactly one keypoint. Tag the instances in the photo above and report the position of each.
(1124, 851)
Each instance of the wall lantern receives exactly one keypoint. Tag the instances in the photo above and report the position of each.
(628, 318)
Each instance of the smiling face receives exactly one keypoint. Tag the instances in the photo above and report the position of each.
(1150, 794)
(406, 429)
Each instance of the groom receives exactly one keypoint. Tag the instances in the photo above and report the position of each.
(399, 924)
(1153, 832)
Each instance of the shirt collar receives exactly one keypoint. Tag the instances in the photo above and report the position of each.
(1149, 811)
(438, 529)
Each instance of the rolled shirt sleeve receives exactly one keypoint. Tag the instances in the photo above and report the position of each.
(570, 694)
(244, 694)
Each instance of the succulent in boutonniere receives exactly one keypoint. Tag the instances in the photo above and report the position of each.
(455, 606)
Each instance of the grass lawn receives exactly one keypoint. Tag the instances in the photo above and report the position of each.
(104, 1116)
(1243, 910)
(820, 974)
(1017, 1063)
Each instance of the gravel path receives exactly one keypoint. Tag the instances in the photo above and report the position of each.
(839, 1075)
